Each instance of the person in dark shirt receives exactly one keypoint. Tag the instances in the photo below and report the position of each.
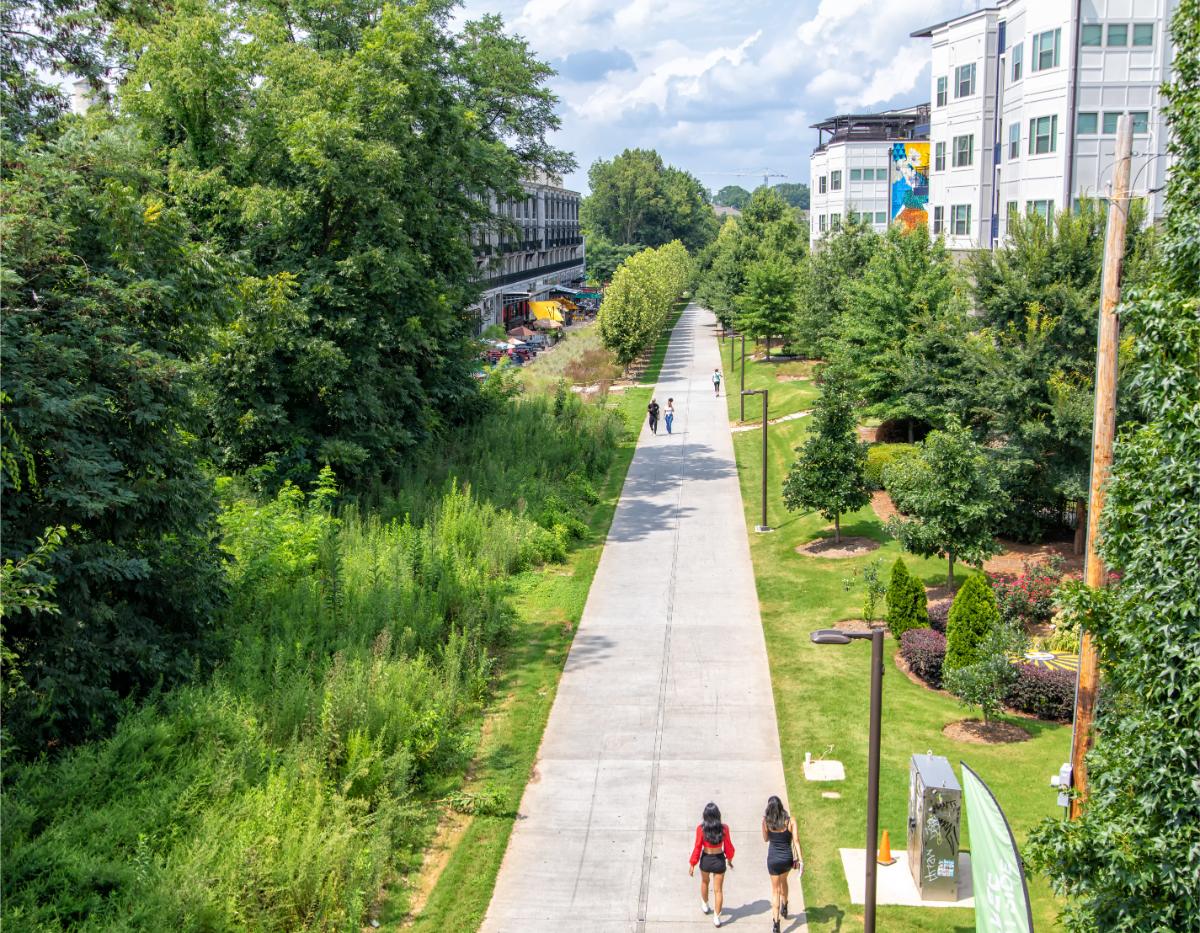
(652, 408)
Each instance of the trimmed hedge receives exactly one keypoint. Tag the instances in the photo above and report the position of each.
(879, 456)
(1043, 693)
(924, 650)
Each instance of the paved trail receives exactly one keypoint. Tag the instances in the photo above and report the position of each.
(665, 701)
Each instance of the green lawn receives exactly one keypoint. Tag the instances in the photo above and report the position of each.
(550, 603)
(821, 695)
(786, 393)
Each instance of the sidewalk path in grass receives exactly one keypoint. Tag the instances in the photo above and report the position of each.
(665, 701)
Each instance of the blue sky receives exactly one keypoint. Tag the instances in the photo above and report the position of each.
(721, 87)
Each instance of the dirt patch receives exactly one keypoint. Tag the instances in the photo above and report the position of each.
(791, 377)
(978, 732)
(1012, 559)
(849, 546)
(882, 503)
(861, 625)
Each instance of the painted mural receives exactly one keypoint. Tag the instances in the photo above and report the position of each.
(910, 184)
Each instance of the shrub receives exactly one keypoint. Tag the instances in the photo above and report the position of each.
(984, 683)
(938, 615)
(905, 601)
(879, 456)
(923, 651)
(1047, 694)
(972, 618)
(1028, 598)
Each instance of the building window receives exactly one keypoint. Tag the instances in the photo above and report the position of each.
(1118, 35)
(1042, 209)
(941, 91)
(1014, 141)
(1141, 123)
(1110, 123)
(1043, 135)
(880, 217)
(939, 157)
(1143, 34)
(821, 222)
(938, 219)
(852, 217)
(835, 181)
(1012, 210)
(960, 219)
(835, 221)
(1045, 50)
(856, 174)
(964, 150)
(1090, 35)
(821, 185)
(964, 80)
(1086, 124)
(1017, 52)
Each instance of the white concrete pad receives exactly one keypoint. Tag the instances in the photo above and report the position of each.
(894, 883)
(665, 701)
(825, 769)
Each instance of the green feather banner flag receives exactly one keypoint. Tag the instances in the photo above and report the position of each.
(998, 876)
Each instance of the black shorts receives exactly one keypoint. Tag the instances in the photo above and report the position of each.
(779, 866)
(713, 864)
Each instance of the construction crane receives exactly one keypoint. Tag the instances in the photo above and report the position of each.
(766, 174)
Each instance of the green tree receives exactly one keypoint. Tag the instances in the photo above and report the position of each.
(1130, 862)
(950, 497)
(604, 256)
(825, 279)
(345, 159)
(106, 297)
(637, 199)
(640, 298)
(794, 193)
(828, 473)
(907, 605)
(973, 616)
(767, 306)
(732, 196)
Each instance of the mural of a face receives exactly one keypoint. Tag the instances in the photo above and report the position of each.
(910, 183)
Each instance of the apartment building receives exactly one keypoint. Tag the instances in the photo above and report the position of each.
(538, 248)
(1025, 101)
(854, 169)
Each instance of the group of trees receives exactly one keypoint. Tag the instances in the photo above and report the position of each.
(258, 260)
(638, 302)
(637, 200)
(794, 194)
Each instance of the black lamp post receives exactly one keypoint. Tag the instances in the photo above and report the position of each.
(834, 637)
(732, 335)
(765, 393)
(742, 385)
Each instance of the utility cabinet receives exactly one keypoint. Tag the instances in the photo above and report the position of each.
(934, 818)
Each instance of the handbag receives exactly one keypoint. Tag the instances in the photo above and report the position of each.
(797, 858)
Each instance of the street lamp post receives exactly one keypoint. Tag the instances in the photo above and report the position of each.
(835, 637)
(732, 335)
(742, 385)
(765, 393)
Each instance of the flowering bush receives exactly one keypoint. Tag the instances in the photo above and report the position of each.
(1028, 598)
(1045, 693)
(923, 650)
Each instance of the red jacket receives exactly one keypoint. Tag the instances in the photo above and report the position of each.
(726, 844)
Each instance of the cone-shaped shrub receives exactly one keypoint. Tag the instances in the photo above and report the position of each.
(906, 605)
(973, 615)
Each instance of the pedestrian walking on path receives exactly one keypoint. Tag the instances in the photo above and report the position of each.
(713, 852)
(652, 408)
(783, 855)
(670, 418)
(716, 379)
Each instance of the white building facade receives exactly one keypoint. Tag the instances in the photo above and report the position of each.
(850, 168)
(1025, 101)
(543, 248)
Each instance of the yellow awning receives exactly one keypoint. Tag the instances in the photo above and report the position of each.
(546, 310)
(566, 302)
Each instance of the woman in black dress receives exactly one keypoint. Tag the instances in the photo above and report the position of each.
(783, 854)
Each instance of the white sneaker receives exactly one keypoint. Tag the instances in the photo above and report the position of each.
(704, 908)
(716, 920)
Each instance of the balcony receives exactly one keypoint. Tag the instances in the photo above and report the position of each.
(509, 278)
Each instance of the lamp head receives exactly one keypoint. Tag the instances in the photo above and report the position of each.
(829, 636)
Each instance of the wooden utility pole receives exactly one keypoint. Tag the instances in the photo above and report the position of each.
(1104, 426)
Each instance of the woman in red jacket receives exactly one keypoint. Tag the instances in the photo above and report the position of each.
(713, 851)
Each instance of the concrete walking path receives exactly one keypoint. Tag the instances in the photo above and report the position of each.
(665, 701)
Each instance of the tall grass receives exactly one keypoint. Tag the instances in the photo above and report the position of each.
(359, 645)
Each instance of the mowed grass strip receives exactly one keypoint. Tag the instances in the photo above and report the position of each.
(822, 693)
(550, 603)
(790, 385)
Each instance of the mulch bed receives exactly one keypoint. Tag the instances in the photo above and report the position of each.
(850, 546)
(861, 625)
(978, 732)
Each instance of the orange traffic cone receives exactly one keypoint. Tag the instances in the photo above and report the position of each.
(885, 850)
